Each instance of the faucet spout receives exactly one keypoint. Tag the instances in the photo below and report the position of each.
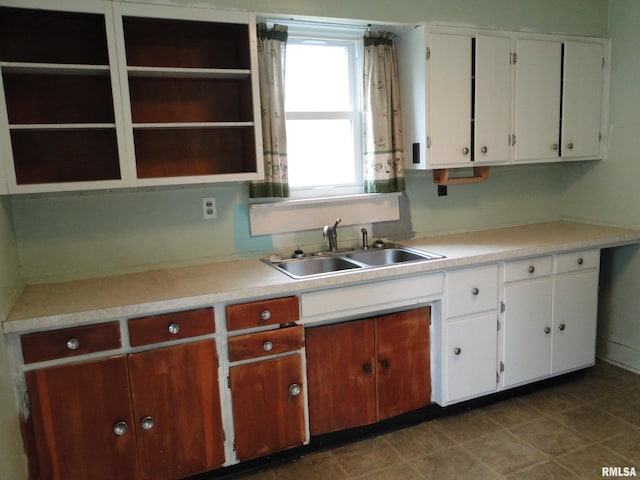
(331, 233)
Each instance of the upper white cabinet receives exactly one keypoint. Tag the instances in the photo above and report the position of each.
(538, 82)
(100, 94)
(479, 97)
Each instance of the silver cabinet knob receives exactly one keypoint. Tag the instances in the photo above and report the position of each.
(267, 346)
(570, 146)
(147, 423)
(73, 344)
(475, 291)
(580, 261)
(174, 329)
(562, 326)
(265, 315)
(294, 390)
(531, 269)
(554, 146)
(457, 351)
(547, 329)
(484, 149)
(120, 428)
(465, 151)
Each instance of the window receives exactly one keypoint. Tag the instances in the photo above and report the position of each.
(323, 81)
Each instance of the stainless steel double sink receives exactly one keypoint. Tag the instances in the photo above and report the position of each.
(331, 263)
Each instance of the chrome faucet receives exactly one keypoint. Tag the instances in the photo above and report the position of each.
(332, 234)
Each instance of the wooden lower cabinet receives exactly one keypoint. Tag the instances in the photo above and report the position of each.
(364, 371)
(149, 415)
(268, 406)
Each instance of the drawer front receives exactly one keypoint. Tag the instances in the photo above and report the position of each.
(69, 342)
(265, 312)
(528, 268)
(472, 290)
(171, 326)
(255, 345)
(576, 261)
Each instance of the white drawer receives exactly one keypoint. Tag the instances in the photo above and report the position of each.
(576, 261)
(528, 268)
(471, 290)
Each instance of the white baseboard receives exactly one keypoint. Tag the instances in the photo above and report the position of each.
(618, 354)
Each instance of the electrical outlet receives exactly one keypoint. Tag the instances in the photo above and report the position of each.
(209, 208)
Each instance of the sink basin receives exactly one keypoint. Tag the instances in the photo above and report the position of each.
(305, 267)
(389, 256)
(332, 263)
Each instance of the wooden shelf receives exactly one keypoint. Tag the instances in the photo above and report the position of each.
(172, 72)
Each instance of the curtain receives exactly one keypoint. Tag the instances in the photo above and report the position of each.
(271, 57)
(383, 151)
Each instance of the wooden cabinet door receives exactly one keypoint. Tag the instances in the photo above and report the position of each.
(527, 331)
(449, 99)
(492, 116)
(538, 80)
(340, 375)
(176, 394)
(582, 99)
(575, 316)
(402, 362)
(268, 406)
(74, 409)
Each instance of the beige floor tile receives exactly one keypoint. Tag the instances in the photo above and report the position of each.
(616, 377)
(453, 464)
(512, 412)
(622, 405)
(586, 389)
(552, 400)
(466, 426)
(627, 445)
(367, 456)
(504, 453)
(419, 440)
(318, 466)
(593, 423)
(397, 472)
(545, 471)
(550, 436)
(587, 464)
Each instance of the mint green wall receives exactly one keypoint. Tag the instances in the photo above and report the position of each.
(607, 192)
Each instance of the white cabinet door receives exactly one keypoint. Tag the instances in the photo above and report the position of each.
(527, 331)
(449, 100)
(537, 109)
(470, 357)
(575, 314)
(492, 115)
(582, 99)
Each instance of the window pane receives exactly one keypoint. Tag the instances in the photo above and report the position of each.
(317, 78)
(320, 153)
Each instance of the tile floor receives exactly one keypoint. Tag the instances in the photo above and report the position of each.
(565, 431)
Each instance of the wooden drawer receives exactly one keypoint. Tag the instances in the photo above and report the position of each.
(528, 268)
(171, 326)
(576, 261)
(471, 290)
(69, 342)
(254, 345)
(261, 313)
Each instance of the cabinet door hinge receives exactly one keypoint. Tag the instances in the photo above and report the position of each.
(603, 63)
(514, 58)
(428, 53)
(497, 378)
(502, 307)
(498, 324)
(501, 367)
(599, 137)
(228, 381)
(428, 142)
(234, 445)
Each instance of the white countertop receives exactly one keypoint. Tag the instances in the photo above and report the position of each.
(81, 301)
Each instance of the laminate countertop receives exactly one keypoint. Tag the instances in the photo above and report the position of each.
(68, 303)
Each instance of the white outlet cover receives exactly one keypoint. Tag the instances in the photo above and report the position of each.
(209, 210)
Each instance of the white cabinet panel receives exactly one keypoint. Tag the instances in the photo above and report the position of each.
(449, 99)
(492, 116)
(538, 80)
(472, 290)
(582, 99)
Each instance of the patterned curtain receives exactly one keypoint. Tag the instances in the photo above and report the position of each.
(383, 152)
(271, 57)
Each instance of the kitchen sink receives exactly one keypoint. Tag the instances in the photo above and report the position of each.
(332, 263)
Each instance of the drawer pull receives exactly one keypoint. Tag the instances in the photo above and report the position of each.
(385, 364)
(547, 330)
(120, 428)
(294, 390)
(174, 329)
(457, 351)
(580, 261)
(531, 269)
(267, 346)
(147, 423)
(475, 291)
(265, 315)
(561, 327)
(73, 344)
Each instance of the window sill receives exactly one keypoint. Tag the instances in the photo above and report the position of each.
(310, 213)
